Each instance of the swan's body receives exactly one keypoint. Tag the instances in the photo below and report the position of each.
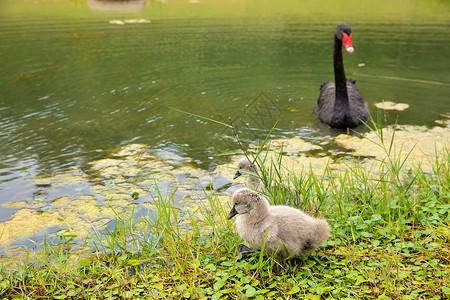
(340, 104)
(285, 230)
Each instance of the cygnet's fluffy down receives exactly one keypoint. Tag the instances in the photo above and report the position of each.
(253, 181)
(290, 232)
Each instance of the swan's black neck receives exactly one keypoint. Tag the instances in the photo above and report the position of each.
(341, 101)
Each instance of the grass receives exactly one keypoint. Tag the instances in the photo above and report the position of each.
(390, 240)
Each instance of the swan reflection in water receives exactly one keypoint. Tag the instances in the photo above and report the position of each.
(116, 4)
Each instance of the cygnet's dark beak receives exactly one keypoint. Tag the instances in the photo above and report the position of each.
(232, 213)
(237, 174)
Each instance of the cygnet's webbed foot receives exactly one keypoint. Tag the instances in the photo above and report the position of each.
(245, 251)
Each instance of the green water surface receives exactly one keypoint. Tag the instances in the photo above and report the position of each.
(73, 84)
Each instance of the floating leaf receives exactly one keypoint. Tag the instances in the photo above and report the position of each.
(24, 173)
(136, 21)
(116, 22)
(291, 109)
(389, 105)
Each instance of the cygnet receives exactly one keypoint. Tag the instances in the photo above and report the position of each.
(285, 230)
(253, 180)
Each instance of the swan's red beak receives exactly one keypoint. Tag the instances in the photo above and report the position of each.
(348, 42)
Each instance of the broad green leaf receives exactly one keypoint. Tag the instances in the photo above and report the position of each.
(216, 296)
(250, 292)
(295, 289)
(84, 262)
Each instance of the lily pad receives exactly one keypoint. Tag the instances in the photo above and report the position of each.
(389, 105)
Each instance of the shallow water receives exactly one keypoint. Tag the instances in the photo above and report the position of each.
(74, 85)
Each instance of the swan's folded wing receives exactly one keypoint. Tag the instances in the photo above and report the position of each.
(324, 107)
(327, 85)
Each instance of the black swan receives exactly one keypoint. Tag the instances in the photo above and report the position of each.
(341, 106)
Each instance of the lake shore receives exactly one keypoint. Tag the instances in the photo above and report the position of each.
(388, 215)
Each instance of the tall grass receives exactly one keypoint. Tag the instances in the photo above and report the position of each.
(390, 240)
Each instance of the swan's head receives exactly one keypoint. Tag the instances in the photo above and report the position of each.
(244, 201)
(245, 165)
(344, 33)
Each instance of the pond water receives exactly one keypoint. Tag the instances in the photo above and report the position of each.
(79, 78)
